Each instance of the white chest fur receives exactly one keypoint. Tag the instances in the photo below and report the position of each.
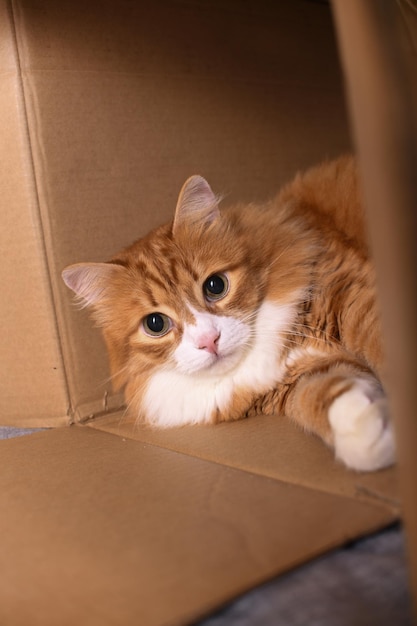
(174, 398)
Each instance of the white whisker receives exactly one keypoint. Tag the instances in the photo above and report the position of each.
(114, 375)
(279, 256)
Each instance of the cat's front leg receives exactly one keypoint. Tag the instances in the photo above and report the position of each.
(349, 411)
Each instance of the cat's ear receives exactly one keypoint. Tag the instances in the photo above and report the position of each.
(90, 281)
(196, 204)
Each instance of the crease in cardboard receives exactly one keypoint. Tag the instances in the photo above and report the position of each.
(107, 405)
(394, 503)
(37, 216)
(115, 425)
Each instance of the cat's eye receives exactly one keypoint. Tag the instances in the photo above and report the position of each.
(156, 324)
(215, 287)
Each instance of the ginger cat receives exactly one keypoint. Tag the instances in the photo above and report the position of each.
(223, 314)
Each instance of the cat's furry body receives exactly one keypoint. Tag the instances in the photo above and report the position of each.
(221, 315)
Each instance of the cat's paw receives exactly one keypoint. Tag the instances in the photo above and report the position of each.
(362, 432)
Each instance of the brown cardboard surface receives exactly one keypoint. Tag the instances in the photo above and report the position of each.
(32, 383)
(269, 446)
(102, 530)
(124, 101)
(378, 42)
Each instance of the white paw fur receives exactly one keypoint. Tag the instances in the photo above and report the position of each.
(363, 436)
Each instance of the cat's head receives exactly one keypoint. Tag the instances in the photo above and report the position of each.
(184, 296)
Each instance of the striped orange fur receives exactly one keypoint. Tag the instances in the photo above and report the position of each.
(222, 314)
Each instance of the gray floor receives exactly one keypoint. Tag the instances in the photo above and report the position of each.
(9, 433)
(363, 584)
(360, 585)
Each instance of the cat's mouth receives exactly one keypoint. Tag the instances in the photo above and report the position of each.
(221, 363)
(212, 365)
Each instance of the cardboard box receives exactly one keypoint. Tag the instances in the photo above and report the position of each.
(106, 108)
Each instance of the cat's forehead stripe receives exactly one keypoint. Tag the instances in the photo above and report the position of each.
(155, 276)
(165, 268)
(190, 270)
(149, 294)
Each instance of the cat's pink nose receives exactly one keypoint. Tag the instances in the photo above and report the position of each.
(209, 342)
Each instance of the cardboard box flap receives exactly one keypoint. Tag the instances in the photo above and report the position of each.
(269, 446)
(33, 389)
(102, 530)
(378, 47)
